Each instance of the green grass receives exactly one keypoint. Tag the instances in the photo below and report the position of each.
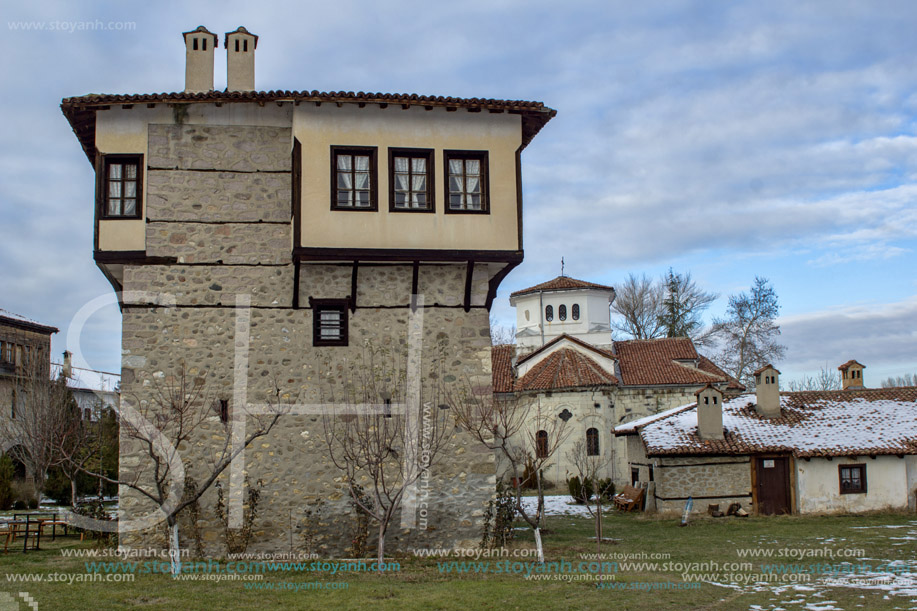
(421, 585)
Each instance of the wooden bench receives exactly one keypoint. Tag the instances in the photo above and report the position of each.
(628, 499)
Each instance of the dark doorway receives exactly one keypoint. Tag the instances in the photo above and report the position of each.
(773, 485)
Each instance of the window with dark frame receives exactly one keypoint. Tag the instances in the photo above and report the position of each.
(549, 313)
(852, 478)
(466, 182)
(329, 322)
(634, 476)
(592, 442)
(121, 186)
(354, 178)
(562, 312)
(541, 444)
(224, 410)
(575, 311)
(410, 180)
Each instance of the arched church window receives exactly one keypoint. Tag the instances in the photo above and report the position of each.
(592, 442)
(562, 312)
(575, 311)
(549, 313)
(541, 444)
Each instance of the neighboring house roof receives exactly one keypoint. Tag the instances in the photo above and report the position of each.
(812, 424)
(847, 365)
(80, 110)
(629, 428)
(561, 283)
(655, 362)
(15, 320)
(501, 358)
(562, 369)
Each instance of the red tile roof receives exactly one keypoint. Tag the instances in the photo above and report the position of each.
(847, 365)
(501, 358)
(560, 338)
(654, 362)
(562, 369)
(859, 422)
(562, 283)
(759, 370)
(80, 110)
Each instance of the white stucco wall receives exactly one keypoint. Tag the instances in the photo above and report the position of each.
(818, 487)
(592, 326)
(911, 465)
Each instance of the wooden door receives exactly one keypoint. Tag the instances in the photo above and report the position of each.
(773, 485)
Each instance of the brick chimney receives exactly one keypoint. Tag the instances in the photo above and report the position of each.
(709, 412)
(199, 47)
(767, 391)
(852, 375)
(240, 60)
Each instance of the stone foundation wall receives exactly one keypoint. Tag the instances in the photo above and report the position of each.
(708, 479)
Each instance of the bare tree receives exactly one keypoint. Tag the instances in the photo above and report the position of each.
(42, 410)
(896, 381)
(748, 334)
(371, 443)
(523, 437)
(825, 379)
(639, 302)
(501, 334)
(164, 426)
(588, 468)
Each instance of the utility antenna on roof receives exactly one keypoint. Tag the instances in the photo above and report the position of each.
(561, 267)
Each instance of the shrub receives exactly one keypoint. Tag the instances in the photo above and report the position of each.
(605, 488)
(498, 518)
(33, 503)
(580, 491)
(19, 505)
(96, 510)
(6, 482)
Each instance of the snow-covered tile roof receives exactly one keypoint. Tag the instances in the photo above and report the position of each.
(833, 423)
(28, 321)
(634, 425)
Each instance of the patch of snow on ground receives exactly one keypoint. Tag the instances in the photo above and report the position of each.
(557, 505)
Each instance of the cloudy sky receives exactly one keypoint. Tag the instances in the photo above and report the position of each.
(728, 139)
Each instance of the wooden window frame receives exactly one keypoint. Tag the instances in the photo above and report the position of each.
(371, 151)
(483, 157)
(102, 186)
(593, 442)
(541, 444)
(840, 478)
(319, 305)
(426, 154)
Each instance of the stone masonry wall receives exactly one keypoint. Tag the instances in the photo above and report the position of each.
(728, 479)
(219, 200)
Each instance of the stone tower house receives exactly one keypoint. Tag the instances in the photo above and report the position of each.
(327, 213)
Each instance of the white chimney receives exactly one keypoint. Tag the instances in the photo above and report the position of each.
(68, 364)
(240, 60)
(709, 412)
(199, 47)
(767, 392)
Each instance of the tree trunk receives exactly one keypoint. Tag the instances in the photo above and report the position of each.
(174, 549)
(380, 546)
(73, 492)
(538, 545)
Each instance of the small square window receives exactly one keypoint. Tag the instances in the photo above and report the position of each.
(329, 322)
(410, 179)
(466, 182)
(120, 186)
(852, 478)
(353, 178)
